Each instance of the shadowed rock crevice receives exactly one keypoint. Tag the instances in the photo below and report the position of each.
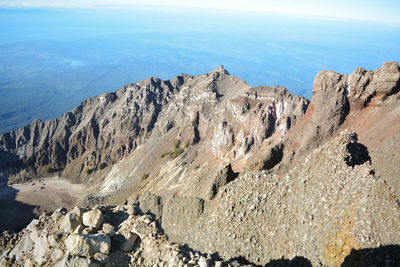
(14, 214)
(358, 154)
(196, 132)
(274, 157)
(380, 256)
(95, 128)
(9, 162)
(271, 129)
(223, 177)
(298, 261)
(345, 110)
(243, 261)
(396, 89)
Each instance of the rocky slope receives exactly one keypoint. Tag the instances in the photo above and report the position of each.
(235, 175)
(321, 210)
(327, 211)
(366, 102)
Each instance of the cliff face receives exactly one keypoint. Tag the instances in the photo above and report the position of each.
(366, 102)
(100, 130)
(339, 98)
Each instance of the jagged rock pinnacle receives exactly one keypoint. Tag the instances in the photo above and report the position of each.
(220, 69)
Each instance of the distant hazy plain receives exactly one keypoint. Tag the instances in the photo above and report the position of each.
(51, 60)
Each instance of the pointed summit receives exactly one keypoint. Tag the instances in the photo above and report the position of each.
(220, 69)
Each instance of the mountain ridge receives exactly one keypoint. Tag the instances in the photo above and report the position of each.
(62, 141)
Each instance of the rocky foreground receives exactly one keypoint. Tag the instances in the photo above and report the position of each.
(102, 236)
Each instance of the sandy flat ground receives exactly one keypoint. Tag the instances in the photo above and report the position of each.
(18, 202)
(50, 193)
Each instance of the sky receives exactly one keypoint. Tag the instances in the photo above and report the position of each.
(386, 11)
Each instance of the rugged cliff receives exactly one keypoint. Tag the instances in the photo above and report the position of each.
(366, 102)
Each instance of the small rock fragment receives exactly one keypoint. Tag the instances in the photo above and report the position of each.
(79, 229)
(130, 242)
(101, 258)
(108, 229)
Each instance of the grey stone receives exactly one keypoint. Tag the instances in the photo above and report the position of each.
(72, 220)
(203, 262)
(88, 245)
(101, 258)
(93, 218)
(57, 254)
(130, 242)
(24, 246)
(108, 229)
(41, 249)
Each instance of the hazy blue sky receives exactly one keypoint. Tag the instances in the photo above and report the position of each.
(373, 10)
(56, 53)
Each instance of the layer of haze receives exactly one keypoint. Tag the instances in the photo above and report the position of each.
(52, 59)
(369, 10)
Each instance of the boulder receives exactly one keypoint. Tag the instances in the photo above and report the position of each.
(57, 254)
(203, 262)
(88, 245)
(72, 220)
(93, 218)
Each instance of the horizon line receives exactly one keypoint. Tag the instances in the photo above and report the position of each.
(202, 7)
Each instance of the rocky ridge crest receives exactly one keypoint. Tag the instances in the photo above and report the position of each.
(193, 125)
